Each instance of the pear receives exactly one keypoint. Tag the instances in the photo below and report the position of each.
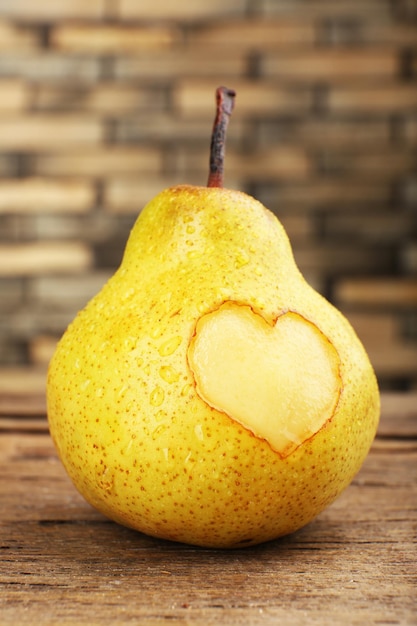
(208, 395)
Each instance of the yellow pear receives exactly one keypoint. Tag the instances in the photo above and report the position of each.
(208, 394)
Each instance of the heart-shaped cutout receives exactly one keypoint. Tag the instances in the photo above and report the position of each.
(281, 382)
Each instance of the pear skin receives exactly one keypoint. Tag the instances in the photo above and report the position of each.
(208, 394)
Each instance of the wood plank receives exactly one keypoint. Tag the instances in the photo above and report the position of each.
(395, 405)
(28, 405)
(44, 10)
(63, 562)
(330, 65)
(25, 425)
(45, 132)
(34, 195)
(112, 38)
(39, 258)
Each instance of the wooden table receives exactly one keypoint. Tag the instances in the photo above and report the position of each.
(63, 563)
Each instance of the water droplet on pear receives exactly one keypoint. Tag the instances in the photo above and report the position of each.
(169, 346)
(157, 396)
(169, 374)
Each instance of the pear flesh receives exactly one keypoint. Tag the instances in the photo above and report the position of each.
(281, 382)
(208, 394)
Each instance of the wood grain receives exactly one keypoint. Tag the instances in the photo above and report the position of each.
(63, 563)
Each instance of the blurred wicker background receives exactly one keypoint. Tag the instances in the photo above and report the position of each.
(103, 103)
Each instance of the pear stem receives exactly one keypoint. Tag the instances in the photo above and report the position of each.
(224, 107)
